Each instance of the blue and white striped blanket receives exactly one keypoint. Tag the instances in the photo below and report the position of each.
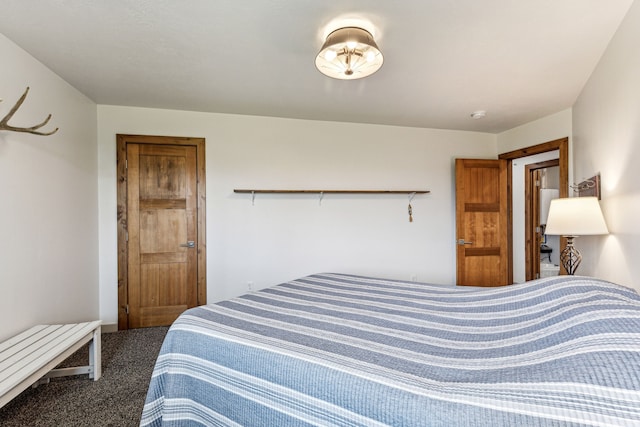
(340, 350)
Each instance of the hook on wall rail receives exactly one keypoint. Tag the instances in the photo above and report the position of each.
(410, 209)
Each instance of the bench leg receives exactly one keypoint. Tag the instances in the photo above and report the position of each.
(95, 354)
(94, 368)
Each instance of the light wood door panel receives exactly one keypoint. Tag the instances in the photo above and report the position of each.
(162, 209)
(481, 223)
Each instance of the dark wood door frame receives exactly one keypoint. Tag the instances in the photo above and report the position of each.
(562, 145)
(532, 217)
(121, 159)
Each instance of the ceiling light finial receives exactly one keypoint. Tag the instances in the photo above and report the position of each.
(349, 53)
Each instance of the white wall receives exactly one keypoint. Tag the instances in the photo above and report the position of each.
(283, 237)
(606, 138)
(48, 199)
(550, 128)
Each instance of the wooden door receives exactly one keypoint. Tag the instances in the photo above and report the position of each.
(162, 269)
(482, 223)
(533, 236)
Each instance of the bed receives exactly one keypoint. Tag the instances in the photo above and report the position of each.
(344, 350)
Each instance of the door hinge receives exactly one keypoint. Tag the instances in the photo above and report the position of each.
(126, 236)
(126, 163)
(126, 309)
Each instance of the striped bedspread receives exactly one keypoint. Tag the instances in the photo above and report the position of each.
(341, 350)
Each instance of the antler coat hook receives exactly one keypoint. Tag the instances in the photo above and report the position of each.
(4, 125)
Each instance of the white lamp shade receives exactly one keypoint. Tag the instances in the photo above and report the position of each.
(576, 216)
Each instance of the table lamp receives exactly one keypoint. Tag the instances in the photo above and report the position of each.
(573, 217)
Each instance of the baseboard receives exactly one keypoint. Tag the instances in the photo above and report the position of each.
(110, 327)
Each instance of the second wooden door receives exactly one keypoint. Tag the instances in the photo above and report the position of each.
(481, 223)
(162, 234)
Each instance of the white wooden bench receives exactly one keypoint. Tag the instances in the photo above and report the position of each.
(30, 357)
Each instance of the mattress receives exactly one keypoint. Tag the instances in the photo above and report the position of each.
(344, 350)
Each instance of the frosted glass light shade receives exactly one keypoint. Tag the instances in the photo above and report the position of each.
(576, 216)
(349, 53)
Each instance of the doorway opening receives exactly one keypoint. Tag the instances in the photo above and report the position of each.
(562, 145)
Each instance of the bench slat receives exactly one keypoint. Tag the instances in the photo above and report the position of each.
(11, 342)
(43, 345)
(30, 344)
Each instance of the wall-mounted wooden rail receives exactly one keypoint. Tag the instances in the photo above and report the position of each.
(249, 191)
(410, 193)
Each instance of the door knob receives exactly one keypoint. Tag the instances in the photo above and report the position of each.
(463, 242)
(189, 244)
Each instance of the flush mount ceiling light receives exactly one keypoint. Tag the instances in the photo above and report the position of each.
(349, 53)
(477, 115)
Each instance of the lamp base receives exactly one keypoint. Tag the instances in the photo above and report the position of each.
(570, 256)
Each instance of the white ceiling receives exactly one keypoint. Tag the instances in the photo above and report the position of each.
(518, 60)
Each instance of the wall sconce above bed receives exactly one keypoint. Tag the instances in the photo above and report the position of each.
(588, 188)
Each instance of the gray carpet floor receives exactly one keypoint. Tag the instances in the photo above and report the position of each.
(116, 399)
